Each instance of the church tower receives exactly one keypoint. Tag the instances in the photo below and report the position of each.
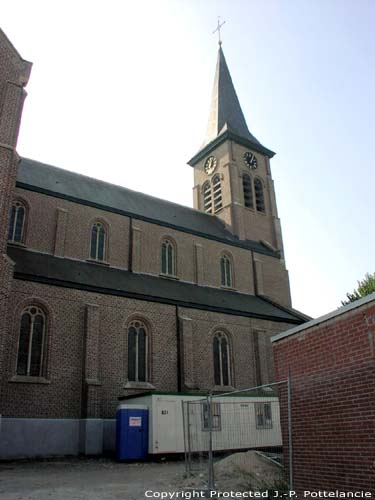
(232, 176)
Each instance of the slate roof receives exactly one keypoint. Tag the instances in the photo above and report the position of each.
(36, 176)
(226, 119)
(225, 111)
(47, 269)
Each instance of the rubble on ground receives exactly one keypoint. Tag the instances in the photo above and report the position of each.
(247, 471)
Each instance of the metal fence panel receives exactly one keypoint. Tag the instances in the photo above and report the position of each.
(220, 426)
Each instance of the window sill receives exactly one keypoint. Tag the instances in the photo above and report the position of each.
(223, 388)
(17, 244)
(169, 276)
(92, 381)
(138, 385)
(100, 262)
(229, 288)
(25, 379)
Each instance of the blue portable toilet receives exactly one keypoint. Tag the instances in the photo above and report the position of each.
(131, 432)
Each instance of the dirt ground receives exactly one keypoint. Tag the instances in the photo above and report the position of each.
(87, 479)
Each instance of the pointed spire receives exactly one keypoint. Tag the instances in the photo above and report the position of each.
(225, 113)
(226, 120)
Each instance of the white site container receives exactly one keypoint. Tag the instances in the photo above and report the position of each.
(166, 425)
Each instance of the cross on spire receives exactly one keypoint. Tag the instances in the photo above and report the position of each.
(218, 28)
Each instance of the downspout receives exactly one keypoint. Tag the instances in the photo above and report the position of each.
(178, 340)
(254, 273)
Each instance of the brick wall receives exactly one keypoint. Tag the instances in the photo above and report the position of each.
(66, 232)
(275, 279)
(69, 235)
(86, 351)
(333, 401)
(246, 223)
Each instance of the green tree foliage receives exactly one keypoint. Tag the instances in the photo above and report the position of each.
(365, 287)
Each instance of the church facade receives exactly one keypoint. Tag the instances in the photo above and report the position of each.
(106, 292)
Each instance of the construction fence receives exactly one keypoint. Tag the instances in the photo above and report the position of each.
(235, 439)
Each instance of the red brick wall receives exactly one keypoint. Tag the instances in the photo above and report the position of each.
(333, 401)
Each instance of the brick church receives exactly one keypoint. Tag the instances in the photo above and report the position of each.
(106, 292)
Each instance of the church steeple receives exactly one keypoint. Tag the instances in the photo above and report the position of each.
(232, 172)
(225, 112)
(226, 119)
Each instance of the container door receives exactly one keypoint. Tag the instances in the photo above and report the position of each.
(132, 434)
(167, 427)
(135, 436)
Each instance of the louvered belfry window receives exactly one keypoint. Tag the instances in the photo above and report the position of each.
(137, 352)
(247, 191)
(31, 342)
(212, 196)
(216, 190)
(259, 195)
(207, 197)
(17, 222)
(98, 242)
(221, 359)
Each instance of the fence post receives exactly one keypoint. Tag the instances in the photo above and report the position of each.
(186, 430)
(290, 438)
(211, 480)
(188, 463)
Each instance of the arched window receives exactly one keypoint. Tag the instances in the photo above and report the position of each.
(207, 197)
(17, 222)
(31, 342)
(216, 189)
(98, 241)
(168, 258)
(221, 359)
(226, 271)
(137, 352)
(247, 191)
(259, 195)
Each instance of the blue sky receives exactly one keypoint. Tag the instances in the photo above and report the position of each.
(120, 91)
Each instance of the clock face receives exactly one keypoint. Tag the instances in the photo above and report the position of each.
(210, 165)
(250, 160)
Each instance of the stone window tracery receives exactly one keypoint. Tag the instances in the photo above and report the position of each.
(226, 270)
(98, 242)
(31, 342)
(17, 222)
(137, 352)
(221, 354)
(168, 258)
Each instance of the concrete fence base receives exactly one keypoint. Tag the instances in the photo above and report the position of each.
(42, 437)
